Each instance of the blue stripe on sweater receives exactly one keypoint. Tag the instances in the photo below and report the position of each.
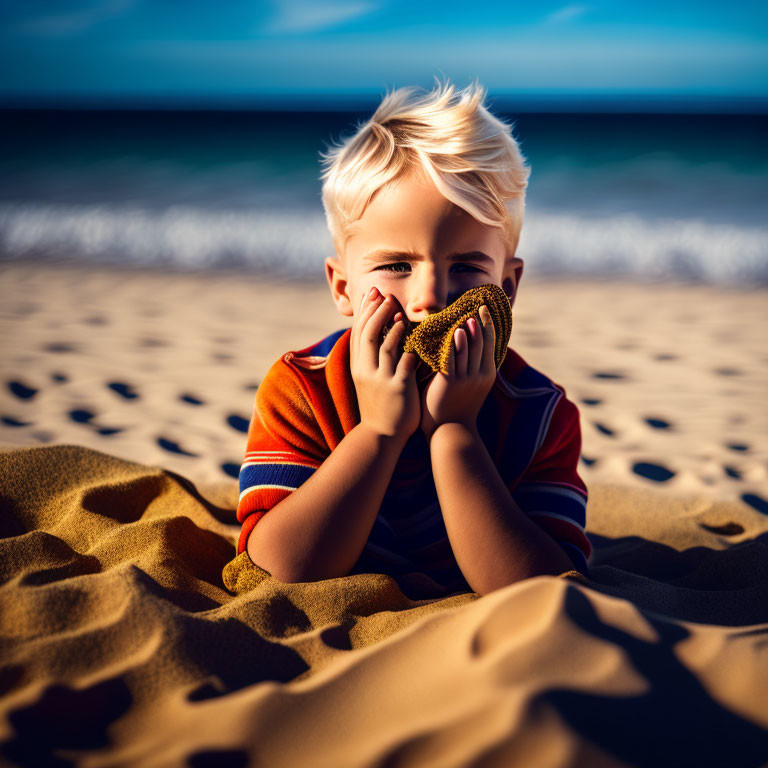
(324, 347)
(289, 475)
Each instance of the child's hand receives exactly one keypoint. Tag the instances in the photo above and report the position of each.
(387, 394)
(458, 395)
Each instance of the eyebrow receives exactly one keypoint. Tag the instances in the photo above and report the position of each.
(383, 256)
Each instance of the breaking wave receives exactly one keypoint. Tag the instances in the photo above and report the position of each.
(295, 242)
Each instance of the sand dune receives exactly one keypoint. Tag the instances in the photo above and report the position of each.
(121, 645)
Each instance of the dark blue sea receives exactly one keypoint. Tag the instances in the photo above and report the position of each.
(643, 196)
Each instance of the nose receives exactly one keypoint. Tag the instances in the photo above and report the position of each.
(428, 293)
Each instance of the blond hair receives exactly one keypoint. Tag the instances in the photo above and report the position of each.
(470, 155)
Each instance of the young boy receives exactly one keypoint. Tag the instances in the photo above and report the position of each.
(359, 458)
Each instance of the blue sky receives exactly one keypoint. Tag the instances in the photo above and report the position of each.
(205, 50)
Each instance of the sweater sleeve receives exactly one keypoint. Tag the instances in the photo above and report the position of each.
(551, 492)
(285, 447)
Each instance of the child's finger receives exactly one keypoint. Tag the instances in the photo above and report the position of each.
(489, 340)
(476, 345)
(370, 335)
(370, 302)
(406, 365)
(390, 345)
(461, 352)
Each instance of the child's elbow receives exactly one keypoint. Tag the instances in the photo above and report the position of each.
(281, 567)
(277, 570)
(261, 557)
(556, 565)
(296, 575)
(288, 574)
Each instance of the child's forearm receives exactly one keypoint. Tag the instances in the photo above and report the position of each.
(493, 540)
(320, 530)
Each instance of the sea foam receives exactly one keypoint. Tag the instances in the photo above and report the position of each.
(295, 242)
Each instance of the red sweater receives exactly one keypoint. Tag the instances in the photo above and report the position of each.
(307, 403)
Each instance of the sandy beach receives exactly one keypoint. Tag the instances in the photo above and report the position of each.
(112, 597)
(162, 368)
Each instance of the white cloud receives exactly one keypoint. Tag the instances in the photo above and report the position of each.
(567, 13)
(66, 24)
(296, 16)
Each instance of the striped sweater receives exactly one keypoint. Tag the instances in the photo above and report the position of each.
(307, 403)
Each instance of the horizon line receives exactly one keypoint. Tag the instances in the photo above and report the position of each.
(507, 101)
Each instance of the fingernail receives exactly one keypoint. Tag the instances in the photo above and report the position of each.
(373, 293)
(472, 324)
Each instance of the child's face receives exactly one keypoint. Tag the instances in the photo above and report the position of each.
(414, 244)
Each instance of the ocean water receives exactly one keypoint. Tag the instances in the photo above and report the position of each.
(637, 196)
